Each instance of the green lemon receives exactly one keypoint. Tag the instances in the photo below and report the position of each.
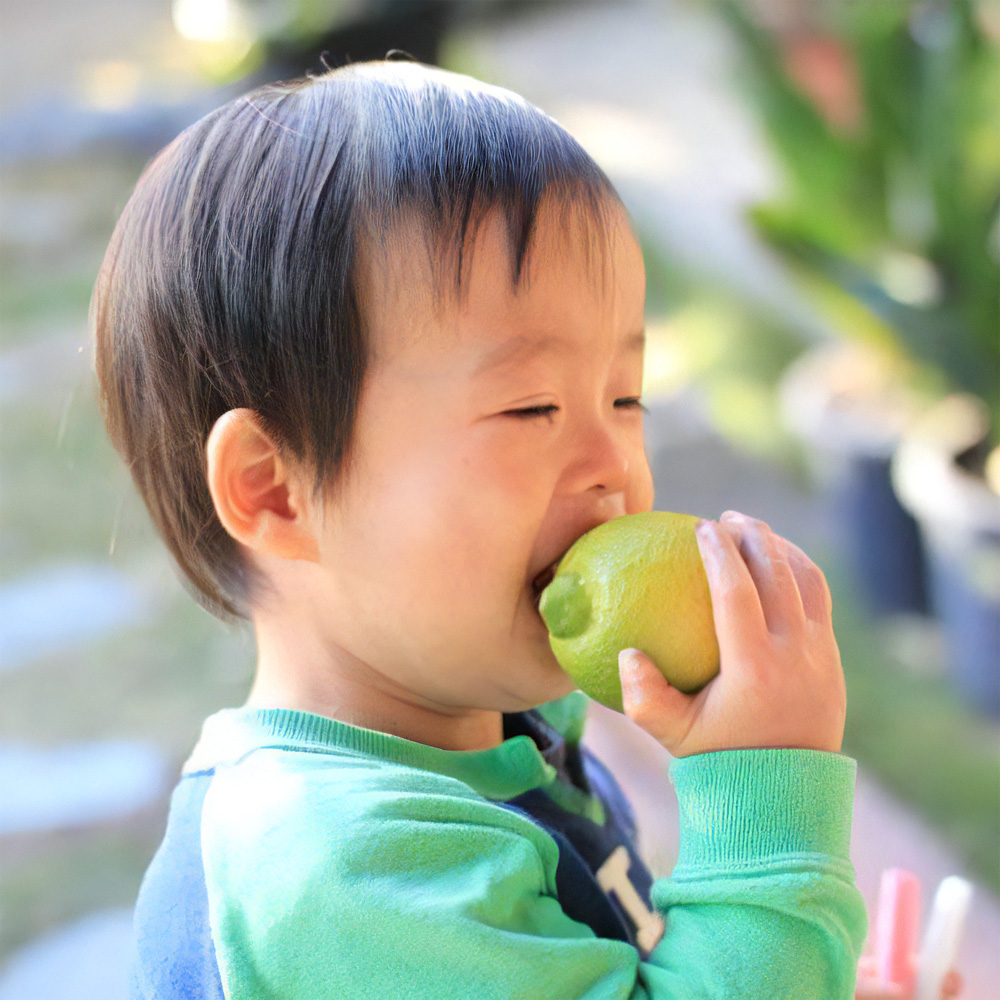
(636, 581)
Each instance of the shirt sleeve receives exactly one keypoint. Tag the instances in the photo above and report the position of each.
(408, 884)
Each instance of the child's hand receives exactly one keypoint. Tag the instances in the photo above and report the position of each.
(870, 988)
(780, 683)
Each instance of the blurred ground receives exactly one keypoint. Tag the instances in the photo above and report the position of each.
(647, 87)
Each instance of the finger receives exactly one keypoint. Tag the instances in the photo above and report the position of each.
(766, 558)
(736, 607)
(814, 591)
(813, 588)
(652, 702)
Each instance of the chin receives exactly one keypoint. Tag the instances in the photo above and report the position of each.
(566, 687)
(557, 683)
(543, 679)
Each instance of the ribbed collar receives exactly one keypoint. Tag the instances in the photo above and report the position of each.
(517, 765)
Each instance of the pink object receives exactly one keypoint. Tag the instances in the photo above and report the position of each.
(897, 928)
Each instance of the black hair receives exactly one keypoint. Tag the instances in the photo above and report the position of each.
(232, 278)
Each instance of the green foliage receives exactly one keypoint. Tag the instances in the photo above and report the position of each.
(898, 209)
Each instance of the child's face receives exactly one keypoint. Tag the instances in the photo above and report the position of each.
(492, 432)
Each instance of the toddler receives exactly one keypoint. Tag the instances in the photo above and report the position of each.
(371, 345)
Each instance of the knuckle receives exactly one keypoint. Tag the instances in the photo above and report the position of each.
(807, 566)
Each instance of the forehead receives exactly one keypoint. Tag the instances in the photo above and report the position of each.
(419, 287)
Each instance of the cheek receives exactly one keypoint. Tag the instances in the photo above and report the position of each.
(447, 510)
(496, 499)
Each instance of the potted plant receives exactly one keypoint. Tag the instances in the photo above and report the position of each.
(883, 117)
(851, 404)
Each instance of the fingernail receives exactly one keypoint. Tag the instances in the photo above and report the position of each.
(733, 515)
(629, 675)
(628, 660)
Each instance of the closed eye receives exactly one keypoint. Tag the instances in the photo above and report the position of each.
(631, 402)
(528, 412)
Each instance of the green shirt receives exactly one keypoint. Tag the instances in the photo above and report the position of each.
(340, 862)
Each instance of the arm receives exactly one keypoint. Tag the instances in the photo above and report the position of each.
(780, 686)
(764, 868)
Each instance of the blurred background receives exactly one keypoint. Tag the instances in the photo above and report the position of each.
(815, 183)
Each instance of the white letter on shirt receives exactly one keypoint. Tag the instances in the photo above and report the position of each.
(612, 876)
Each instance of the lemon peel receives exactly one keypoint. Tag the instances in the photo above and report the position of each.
(636, 581)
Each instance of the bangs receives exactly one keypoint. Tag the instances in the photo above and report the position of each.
(446, 150)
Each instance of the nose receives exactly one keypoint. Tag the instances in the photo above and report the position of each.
(601, 464)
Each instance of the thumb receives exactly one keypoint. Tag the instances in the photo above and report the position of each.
(651, 702)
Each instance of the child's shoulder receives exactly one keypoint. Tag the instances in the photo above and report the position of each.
(295, 802)
(282, 780)
(289, 829)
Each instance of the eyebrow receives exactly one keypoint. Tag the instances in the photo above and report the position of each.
(517, 350)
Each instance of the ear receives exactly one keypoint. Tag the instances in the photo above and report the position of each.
(262, 500)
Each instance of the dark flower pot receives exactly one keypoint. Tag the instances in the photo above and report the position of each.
(851, 414)
(878, 539)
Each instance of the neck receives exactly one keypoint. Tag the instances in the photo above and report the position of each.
(290, 675)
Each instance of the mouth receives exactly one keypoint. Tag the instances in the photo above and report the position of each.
(545, 576)
(541, 581)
